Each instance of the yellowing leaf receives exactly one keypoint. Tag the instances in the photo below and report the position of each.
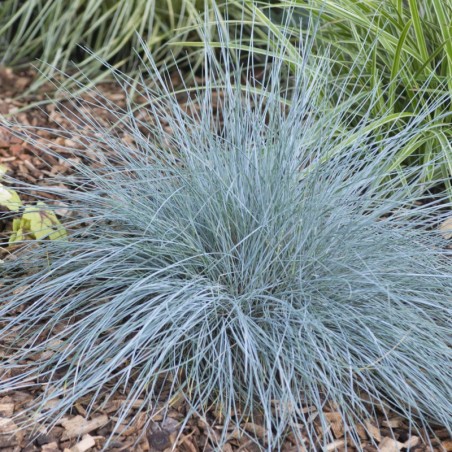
(9, 199)
(38, 223)
(18, 233)
(43, 223)
(16, 224)
(17, 236)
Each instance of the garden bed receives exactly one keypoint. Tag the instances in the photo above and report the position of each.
(81, 432)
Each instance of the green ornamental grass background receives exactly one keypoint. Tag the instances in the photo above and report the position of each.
(403, 49)
(52, 34)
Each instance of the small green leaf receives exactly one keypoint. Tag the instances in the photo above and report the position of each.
(43, 223)
(9, 199)
(17, 222)
(37, 223)
(17, 236)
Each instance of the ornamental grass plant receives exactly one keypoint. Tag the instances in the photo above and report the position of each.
(402, 49)
(52, 34)
(253, 252)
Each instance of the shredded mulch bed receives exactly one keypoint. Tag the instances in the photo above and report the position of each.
(82, 431)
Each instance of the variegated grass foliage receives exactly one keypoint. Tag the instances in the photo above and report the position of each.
(402, 49)
(52, 34)
(252, 252)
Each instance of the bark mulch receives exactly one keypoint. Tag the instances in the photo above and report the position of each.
(80, 430)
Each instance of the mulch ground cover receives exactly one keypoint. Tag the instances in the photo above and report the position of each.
(80, 430)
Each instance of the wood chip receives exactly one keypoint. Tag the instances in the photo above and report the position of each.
(6, 407)
(446, 229)
(389, 445)
(227, 448)
(312, 416)
(189, 446)
(136, 426)
(412, 442)
(7, 426)
(115, 405)
(373, 431)
(10, 435)
(51, 447)
(362, 433)
(258, 430)
(336, 423)
(334, 445)
(86, 443)
(78, 426)
(80, 409)
(394, 422)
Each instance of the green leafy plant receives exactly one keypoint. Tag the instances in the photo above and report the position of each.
(8, 197)
(244, 254)
(36, 222)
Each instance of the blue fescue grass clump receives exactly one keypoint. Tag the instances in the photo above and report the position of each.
(249, 253)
